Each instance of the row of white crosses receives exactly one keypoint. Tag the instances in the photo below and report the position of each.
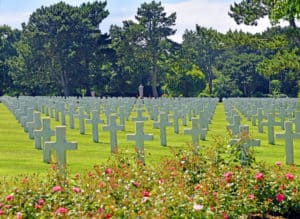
(58, 108)
(40, 131)
(267, 112)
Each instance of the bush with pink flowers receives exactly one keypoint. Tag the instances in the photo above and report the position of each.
(209, 184)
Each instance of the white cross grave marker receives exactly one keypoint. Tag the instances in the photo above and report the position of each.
(139, 137)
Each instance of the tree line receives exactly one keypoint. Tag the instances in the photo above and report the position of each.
(62, 51)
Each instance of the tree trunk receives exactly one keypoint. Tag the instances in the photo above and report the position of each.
(154, 83)
(154, 77)
(64, 83)
(292, 22)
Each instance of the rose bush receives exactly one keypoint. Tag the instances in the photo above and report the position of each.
(209, 184)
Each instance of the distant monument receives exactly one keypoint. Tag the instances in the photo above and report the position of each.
(141, 91)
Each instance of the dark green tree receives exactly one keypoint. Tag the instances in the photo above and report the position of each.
(250, 11)
(157, 26)
(202, 47)
(7, 39)
(130, 64)
(60, 48)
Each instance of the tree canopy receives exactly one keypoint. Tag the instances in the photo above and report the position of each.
(61, 50)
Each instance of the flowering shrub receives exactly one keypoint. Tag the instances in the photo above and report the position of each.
(187, 185)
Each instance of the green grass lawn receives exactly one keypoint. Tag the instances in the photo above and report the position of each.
(18, 156)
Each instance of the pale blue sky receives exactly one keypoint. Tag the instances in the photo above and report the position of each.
(207, 13)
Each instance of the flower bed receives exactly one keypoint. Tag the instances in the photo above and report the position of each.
(210, 184)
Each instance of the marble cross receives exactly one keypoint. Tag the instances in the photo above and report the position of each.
(162, 124)
(270, 124)
(289, 136)
(60, 146)
(44, 133)
(243, 143)
(35, 124)
(112, 127)
(139, 137)
(95, 120)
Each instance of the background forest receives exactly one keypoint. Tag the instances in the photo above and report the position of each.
(62, 51)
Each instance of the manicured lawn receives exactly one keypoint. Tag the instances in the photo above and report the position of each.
(18, 156)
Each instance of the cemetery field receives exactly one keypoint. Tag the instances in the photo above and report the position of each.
(18, 155)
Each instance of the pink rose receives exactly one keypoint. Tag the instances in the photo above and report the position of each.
(251, 196)
(259, 176)
(9, 197)
(145, 193)
(61, 210)
(56, 189)
(136, 184)
(108, 171)
(40, 201)
(37, 206)
(76, 189)
(197, 187)
(289, 176)
(279, 197)
(227, 176)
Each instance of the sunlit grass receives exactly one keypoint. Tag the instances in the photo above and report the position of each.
(18, 156)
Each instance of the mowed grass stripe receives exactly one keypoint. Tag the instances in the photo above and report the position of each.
(17, 153)
(18, 156)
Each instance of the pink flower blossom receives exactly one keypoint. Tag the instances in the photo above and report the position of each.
(76, 189)
(18, 215)
(225, 216)
(197, 207)
(197, 187)
(227, 176)
(136, 184)
(109, 215)
(37, 206)
(259, 176)
(9, 197)
(56, 189)
(279, 197)
(40, 201)
(100, 210)
(160, 181)
(101, 184)
(289, 176)
(251, 196)
(61, 210)
(145, 193)
(1, 212)
(7, 206)
(108, 171)
(278, 163)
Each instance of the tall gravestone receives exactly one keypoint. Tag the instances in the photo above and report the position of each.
(139, 137)
(244, 142)
(195, 132)
(112, 127)
(162, 124)
(271, 123)
(95, 120)
(44, 134)
(60, 145)
(35, 124)
(289, 136)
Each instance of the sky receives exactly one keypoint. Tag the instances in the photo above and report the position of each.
(206, 13)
